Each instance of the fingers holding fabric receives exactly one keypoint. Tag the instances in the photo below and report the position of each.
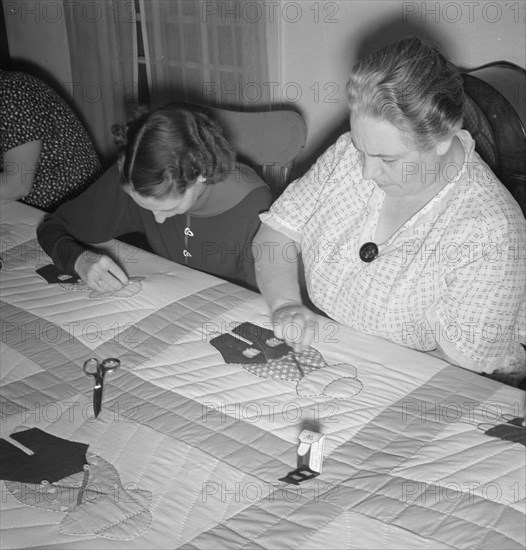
(100, 272)
(295, 325)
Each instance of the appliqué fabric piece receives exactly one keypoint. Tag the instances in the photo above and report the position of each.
(336, 381)
(259, 352)
(127, 291)
(95, 504)
(254, 345)
(293, 366)
(514, 431)
(54, 458)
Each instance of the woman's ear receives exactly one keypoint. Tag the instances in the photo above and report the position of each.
(443, 146)
(200, 179)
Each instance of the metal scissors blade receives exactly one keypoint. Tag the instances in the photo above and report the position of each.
(92, 367)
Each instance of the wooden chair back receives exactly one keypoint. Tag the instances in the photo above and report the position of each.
(268, 141)
(496, 118)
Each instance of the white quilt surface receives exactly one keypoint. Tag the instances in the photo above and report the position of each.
(189, 449)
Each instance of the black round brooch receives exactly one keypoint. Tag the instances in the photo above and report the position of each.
(368, 252)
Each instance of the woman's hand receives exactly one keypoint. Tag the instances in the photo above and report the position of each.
(20, 167)
(100, 272)
(294, 324)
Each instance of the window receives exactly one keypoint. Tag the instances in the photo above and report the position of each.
(201, 51)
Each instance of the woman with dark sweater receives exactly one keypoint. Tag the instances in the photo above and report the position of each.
(176, 182)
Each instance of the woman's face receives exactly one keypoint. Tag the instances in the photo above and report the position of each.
(387, 159)
(174, 204)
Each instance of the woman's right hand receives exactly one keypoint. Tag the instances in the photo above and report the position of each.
(100, 272)
(294, 324)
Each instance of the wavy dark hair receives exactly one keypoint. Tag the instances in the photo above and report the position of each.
(414, 87)
(167, 149)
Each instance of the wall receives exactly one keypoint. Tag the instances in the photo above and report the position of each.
(312, 44)
(36, 34)
(322, 40)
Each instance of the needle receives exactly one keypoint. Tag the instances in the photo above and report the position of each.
(298, 364)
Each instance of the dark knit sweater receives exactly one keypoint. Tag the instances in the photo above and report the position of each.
(215, 238)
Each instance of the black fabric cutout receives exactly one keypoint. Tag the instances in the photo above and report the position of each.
(55, 458)
(299, 475)
(232, 348)
(511, 431)
(51, 274)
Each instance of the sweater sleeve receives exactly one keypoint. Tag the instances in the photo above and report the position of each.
(104, 211)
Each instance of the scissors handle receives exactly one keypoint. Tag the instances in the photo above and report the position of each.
(91, 366)
(110, 364)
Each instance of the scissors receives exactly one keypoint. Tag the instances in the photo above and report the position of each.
(92, 367)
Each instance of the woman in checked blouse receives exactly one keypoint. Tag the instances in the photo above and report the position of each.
(403, 230)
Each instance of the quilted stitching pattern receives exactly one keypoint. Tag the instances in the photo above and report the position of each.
(405, 464)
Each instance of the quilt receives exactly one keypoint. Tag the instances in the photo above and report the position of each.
(201, 422)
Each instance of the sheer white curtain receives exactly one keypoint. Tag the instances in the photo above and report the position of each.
(103, 48)
(206, 51)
